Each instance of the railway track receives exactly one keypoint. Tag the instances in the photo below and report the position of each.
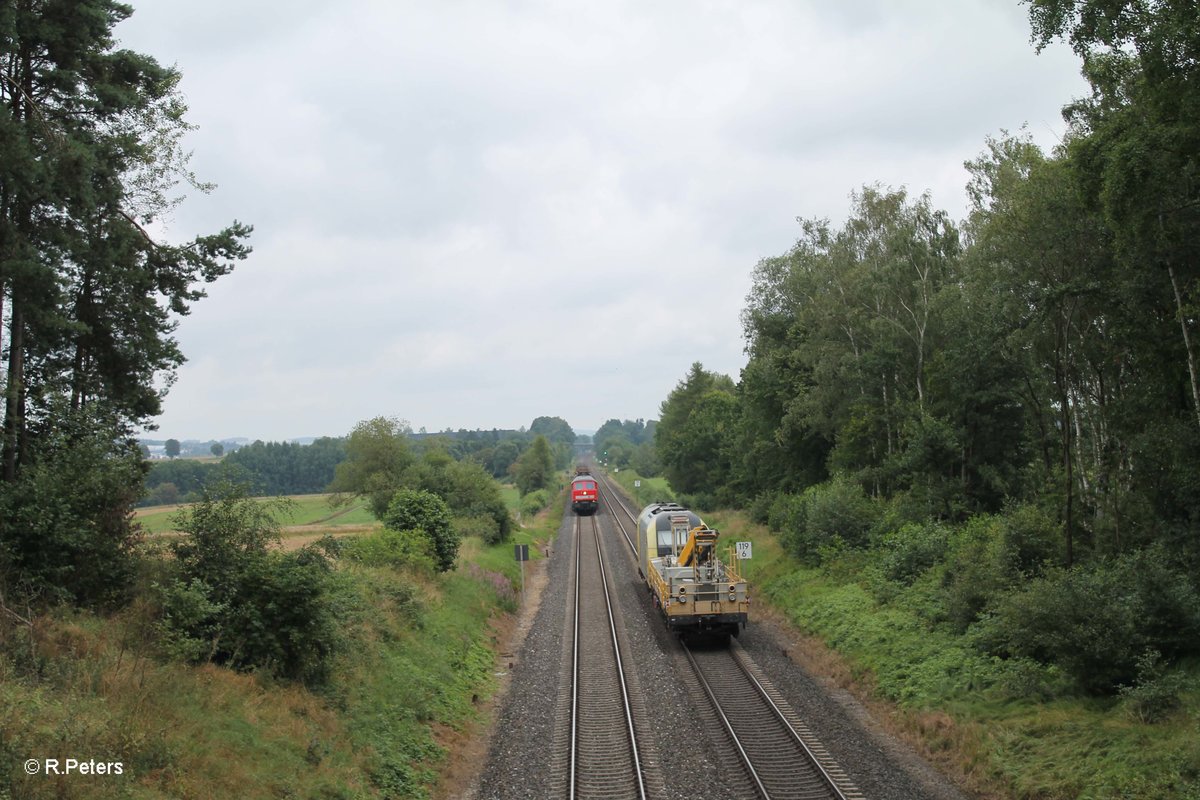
(610, 499)
(783, 761)
(605, 760)
(781, 757)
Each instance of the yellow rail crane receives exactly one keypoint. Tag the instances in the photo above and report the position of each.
(696, 592)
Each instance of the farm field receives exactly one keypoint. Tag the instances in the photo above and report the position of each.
(311, 511)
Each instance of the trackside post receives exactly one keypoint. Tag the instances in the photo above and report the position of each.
(521, 552)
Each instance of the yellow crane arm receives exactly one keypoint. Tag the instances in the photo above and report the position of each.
(699, 546)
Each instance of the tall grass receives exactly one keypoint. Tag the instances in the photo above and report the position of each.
(418, 658)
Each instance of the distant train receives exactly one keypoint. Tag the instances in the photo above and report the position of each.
(696, 592)
(585, 498)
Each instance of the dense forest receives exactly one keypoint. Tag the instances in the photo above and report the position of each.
(1007, 408)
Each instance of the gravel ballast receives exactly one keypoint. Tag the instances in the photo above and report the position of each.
(525, 756)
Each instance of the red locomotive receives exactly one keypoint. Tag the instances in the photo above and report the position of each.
(584, 497)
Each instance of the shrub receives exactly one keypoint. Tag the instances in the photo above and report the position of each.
(827, 517)
(990, 554)
(165, 494)
(1032, 539)
(395, 549)
(534, 502)
(484, 527)
(468, 489)
(971, 580)
(910, 551)
(234, 602)
(419, 510)
(786, 513)
(285, 617)
(66, 529)
(840, 509)
(1096, 621)
(1155, 696)
(760, 507)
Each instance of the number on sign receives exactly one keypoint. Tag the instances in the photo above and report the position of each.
(743, 550)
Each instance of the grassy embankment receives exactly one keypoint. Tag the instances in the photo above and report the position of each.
(416, 658)
(970, 713)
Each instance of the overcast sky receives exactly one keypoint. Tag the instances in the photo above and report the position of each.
(471, 214)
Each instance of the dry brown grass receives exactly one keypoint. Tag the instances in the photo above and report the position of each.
(85, 687)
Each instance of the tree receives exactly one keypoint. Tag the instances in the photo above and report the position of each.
(217, 449)
(233, 600)
(92, 144)
(377, 454)
(535, 468)
(559, 434)
(282, 468)
(172, 448)
(503, 456)
(188, 475)
(1138, 140)
(840, 332)
(471, 494)
(694, 431)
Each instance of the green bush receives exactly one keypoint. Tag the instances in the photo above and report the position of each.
(468, 489)
(482, 526)
(419, 510)
(828, 517)
(1096, 621)
(534, 502)
(388, 548)
(910, 551)
(760, 507)
(66, 530)
(989, 554)
(1032, 539)
(233, 601)
(786, 513)
(286, 617)
(1156, 695)
(190, 625)
(971, 580)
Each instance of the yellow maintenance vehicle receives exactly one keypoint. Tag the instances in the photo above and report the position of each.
(696, 592)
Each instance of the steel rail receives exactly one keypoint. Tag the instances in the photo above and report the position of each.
(630, 729)
(716, 704)
(575, 670)
(616, 643)
(809, 758)
(612, 494)
(740, 658)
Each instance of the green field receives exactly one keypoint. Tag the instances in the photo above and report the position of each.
(304, 510)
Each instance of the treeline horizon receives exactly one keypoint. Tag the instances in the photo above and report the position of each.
(290, 468)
